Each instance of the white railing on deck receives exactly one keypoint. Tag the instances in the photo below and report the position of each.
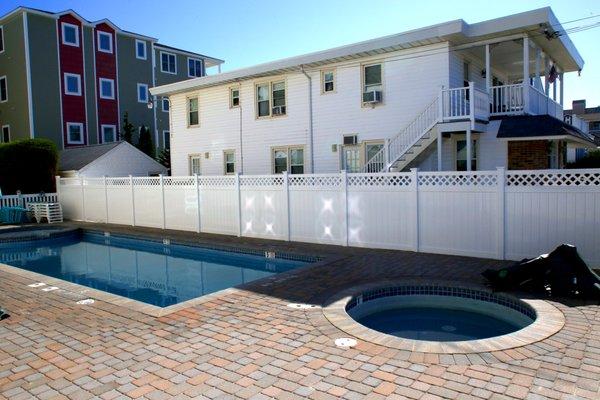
(21, 200)
(507, 99)
(577, 122)
(555, 109)
(481, 104)
(455, 103)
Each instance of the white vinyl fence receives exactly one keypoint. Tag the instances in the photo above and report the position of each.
(22, 200)
(499, 214)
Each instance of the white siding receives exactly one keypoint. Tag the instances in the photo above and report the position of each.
(410, 84)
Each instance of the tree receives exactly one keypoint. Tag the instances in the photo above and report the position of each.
(128, 129)
(164, 157)
(145, 141)
(28, 165)
(590, 160)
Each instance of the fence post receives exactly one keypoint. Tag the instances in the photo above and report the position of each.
(344, 178)
(57, 190)
(161, 179)
(415, 185)
(197, 186)
(501, 182)
(286, 193)
(82, 199)
(239, 203)
(132, 201)
(105, 199)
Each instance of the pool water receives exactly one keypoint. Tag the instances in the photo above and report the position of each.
(437, 324)
(151, 272)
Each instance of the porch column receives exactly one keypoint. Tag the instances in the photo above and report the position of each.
(525, 74)
(554, 89)
(439, 149)
(488, 71)
(562, 88)
(546, 69)
(469, 150)
(538, 55)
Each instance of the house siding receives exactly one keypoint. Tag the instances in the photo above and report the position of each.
(106, 68)
(410, 84)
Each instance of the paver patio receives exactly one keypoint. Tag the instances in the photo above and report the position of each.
(249, 344)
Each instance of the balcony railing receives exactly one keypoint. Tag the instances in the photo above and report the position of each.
(578, 123)
(464, 103)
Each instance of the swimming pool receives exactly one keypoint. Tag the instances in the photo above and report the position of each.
(161, 274)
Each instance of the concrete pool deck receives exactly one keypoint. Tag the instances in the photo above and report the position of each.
(247, 342)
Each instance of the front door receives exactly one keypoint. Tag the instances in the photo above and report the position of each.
(352, 161)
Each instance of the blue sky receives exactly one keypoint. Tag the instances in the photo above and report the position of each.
(248, 32)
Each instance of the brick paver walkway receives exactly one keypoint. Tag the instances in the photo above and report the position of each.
(251, 345)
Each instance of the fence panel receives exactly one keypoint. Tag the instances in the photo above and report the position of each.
(119, 201)
(148, 202)
(263, 206)
(181, 203)
(70, 193)
(94, 200)
(219, 204)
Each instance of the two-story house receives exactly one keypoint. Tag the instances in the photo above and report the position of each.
(71, 80)
(453, 96)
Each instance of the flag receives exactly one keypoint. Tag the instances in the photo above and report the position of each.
(552, 74)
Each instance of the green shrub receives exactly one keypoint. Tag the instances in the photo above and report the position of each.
(28, 165)
(591, 160)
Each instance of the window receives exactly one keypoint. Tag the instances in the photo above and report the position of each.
(234, 97)
(72, 83)
(140, 49)
(109, 133)
(5, 133)
(142, 93)
(371, 149)
(461, 155)
(293, 155)
(327, 79)
(193, 111)
(356, 156)
(70, 34)
(168, 63)
(270, 99)
(3, 89)
(166, 139)
(195, 164)
(105, 44)
(107, 89)
(229, 161)
(1, 39)
(74, 133)
(194, 68)
(165, 104)
(372, 79)
(465, 74)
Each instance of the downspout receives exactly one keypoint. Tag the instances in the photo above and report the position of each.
(241, 128)
(310, 119)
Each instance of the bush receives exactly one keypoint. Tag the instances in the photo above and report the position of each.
(145, 141)
(591, 160)
(28, 165)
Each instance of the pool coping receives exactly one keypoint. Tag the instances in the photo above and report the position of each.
(549, 321)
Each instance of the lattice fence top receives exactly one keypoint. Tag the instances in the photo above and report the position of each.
(217, 181)
(458, 179)
(117, 181)
(146, 181)
(179, 181)
(387, 180)
(315, 180)
(261, 180)
(553, 178)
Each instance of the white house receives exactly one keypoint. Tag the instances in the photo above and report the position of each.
(387, 104)
(110, 159)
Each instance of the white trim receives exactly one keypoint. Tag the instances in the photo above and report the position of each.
(225, 152)
(62, 29)
(96, 93)
(2, 37)
(190, 158)
(163, 104)
(145, 86)
(138, 41)
(80, 125)
(2, 133)
(86, 139)
(163, 138)
(117, 95)
(112, 85)
(201, 67)
(161, 64)
(114, 128)
(326, 71)
(110, 36)
(67, 75)
(5, 79)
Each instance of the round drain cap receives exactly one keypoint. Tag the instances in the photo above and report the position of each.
(345, 342)
(86, 301)
(301, 306)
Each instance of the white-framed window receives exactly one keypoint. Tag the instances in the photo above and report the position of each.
(166, 139)
(140, 49)
(290, 159)
(72, 83)
(193, 114)
(195, 67)
(1, 39)
(229, 162)
(142, 93)
(270, 99)
(107, 89)
(165, 104)
(195, 164)
(109, 133)
(168, 62)
(328, 81)
(5, 134)
(70, 34)
(74, 133)
(3, 89)
(356, 156)
(372, 81)
(461, 155)
(234, 97)
(105, 42)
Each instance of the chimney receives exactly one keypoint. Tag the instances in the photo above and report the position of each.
(578, 107)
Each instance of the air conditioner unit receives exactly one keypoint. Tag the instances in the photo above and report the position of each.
(350, 140)
(279, 110)
(372, 97)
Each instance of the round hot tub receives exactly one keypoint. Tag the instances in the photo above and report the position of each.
(442, 318)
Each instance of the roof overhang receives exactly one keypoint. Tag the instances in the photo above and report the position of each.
(208, 61)
(541, 127)
(457, 33)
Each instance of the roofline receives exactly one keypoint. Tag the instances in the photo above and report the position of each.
(450, 31)
(121, 143)
(216, 61)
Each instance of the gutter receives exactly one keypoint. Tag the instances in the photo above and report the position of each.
(310, 119)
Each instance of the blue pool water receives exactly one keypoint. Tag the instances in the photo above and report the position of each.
(147, 271)
(437, 324)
